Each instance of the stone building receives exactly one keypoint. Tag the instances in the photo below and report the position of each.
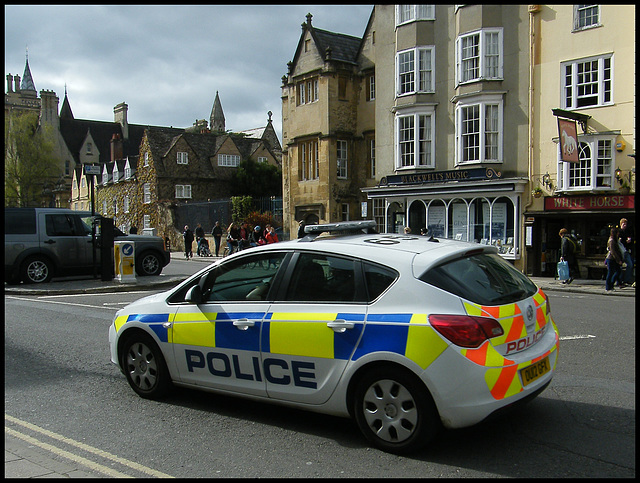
(328, 127)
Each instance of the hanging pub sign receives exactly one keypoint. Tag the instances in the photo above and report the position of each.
(568, 140)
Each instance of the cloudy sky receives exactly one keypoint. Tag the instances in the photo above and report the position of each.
(167, 62)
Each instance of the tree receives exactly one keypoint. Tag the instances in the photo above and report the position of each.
(257, 179)
(30, 162)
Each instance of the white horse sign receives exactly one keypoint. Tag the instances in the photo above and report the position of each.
(568, 140)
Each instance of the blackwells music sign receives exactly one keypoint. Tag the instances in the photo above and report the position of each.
(474, 174)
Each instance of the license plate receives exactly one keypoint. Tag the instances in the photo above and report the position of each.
(535, 371)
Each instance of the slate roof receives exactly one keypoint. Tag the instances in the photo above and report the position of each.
(344, 48)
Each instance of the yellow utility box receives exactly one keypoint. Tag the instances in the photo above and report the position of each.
(124, 259)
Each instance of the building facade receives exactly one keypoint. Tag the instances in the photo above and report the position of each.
(584, 73)
(450, 124)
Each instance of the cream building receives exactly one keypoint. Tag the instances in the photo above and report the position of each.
(583, 70)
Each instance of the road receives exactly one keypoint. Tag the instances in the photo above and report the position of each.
(62, 391)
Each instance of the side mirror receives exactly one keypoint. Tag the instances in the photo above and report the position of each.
(194, 295)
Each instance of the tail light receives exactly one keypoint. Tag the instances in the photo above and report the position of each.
(466, 330)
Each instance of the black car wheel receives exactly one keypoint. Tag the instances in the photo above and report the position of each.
(36, 270)
(148, 263)
(144, 366)
(394, 410)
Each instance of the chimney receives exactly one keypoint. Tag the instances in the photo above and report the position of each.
(17, 83)
(49, 111)
(116, 147)
(9, 83)
(120, 116)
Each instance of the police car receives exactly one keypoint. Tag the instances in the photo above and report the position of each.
(404, 333)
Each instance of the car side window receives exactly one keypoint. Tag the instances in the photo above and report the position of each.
(244, 279)
(322, 278)
(60, 225)
(378, 279)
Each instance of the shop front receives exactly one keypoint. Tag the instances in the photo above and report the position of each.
(589, 218)
(476, 205)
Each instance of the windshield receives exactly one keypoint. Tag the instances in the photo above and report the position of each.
(485, 279)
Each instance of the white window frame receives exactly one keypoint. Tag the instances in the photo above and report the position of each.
(344, 209)
(146, 158)
(183, 191)
(420, 150)
(342, 159)
(116, 173)
(420, 70)
(571, 76)
(371, 88)
(411, 13)
(182, 157)
(104, 208)
(146, 221)
(146, 190)
(485, 54)
(126, 204)
(372, 158)
(262, 159)
(586, 13)
(596, 169)
(115, 206)
(229, 160)
(484, 130)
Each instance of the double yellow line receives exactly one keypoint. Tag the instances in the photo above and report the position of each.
(73, 457)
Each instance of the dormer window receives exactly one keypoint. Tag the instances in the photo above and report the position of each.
(89, 148)
(183, 158)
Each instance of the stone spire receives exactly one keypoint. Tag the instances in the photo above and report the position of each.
(27, 83)
(65, 112)
(217, 116)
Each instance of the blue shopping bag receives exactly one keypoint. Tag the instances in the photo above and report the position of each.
(563, 270)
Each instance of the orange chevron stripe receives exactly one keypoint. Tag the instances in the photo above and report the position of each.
(504, 381)
(479, 355)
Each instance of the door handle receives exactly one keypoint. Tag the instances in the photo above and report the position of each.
(49, 241)
(243, 324)
(340, 325)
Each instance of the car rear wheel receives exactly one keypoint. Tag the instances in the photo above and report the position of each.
(148, 264)
(394, 410)
(36, 270)
(145, 367)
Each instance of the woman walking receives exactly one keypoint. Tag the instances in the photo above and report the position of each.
(613, 261)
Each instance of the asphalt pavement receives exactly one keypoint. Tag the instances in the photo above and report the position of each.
(24, 458)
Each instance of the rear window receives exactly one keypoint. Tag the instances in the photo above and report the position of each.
(20, 222)
(485, 279)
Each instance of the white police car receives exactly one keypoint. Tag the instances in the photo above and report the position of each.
(404, 333)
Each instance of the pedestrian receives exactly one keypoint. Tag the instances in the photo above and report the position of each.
(244, 236)
(233, 237)
(256, 238)
(407, 230)
(627, 243)
(613, 261)
(423, 231)
(301, 226)
(188, 242)
(216, 232)
(199, 237)
(133, 230)
(272, 236)
(568, 249)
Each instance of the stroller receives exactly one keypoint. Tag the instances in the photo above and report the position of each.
(203, 249)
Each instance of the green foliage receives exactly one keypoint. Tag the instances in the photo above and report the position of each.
(257, 179)
(30, 162)
(241, 206)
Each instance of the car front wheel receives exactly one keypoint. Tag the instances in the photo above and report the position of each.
(145, 367)
(394, 411)
(148, 264)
